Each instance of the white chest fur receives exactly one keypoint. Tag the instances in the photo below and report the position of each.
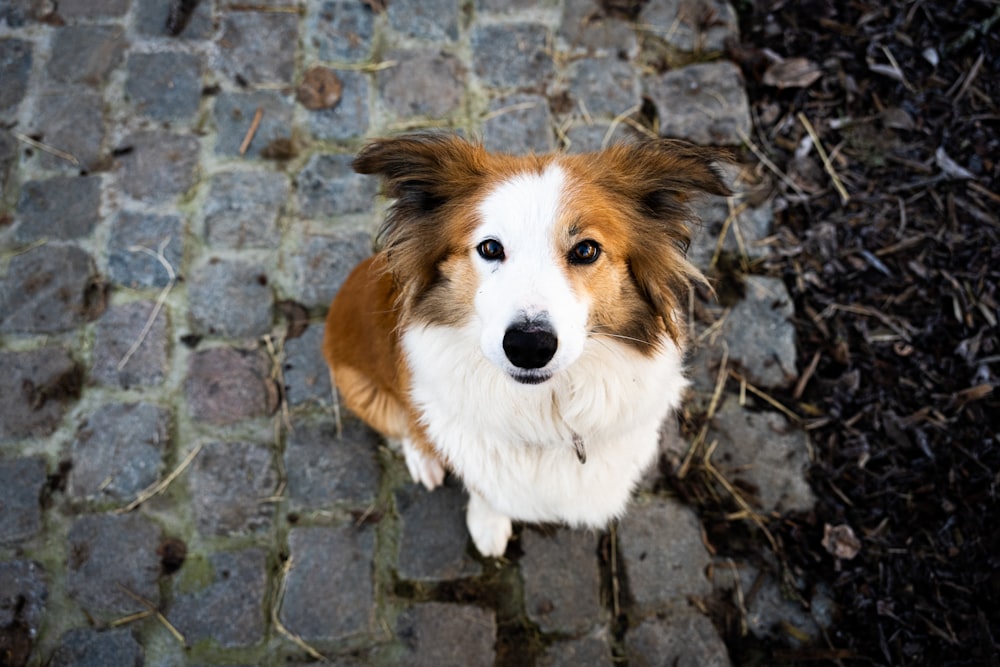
(513, 443)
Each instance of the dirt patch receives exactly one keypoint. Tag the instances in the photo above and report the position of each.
(883, 133)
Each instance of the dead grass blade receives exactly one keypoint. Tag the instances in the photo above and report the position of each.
(160, 486)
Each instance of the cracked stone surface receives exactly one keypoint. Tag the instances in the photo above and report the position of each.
(166, 261)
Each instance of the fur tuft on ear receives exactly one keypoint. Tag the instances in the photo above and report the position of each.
(425, 174)
(661, 179)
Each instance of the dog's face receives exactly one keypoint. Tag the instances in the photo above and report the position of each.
(545, 255)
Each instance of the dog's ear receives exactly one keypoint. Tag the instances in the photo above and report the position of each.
(660, 179)
(425, 174)
(420, 171)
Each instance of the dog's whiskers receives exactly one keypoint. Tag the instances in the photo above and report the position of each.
(611, 335)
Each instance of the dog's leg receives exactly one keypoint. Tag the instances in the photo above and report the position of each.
(424, 469)
(489, 529)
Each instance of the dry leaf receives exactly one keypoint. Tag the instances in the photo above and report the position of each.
(841, 541)
(951, 168)
(320, 89)
(792, 73)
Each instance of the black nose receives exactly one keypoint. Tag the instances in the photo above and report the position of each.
(530, 345)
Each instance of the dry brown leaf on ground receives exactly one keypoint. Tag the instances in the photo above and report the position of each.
(792, 73)
(841, 541)
(320, 89)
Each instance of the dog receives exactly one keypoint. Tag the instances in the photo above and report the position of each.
(521, 325)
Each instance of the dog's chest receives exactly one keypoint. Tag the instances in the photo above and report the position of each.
(514, 443)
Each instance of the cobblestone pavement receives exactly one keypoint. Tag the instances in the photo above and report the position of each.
(178, 208)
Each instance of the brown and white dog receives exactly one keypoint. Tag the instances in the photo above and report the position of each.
(521, 325)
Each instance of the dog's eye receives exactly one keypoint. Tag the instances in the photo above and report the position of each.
(491, 250)
(584, 252)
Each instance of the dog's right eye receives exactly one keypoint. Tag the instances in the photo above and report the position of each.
(491, 250)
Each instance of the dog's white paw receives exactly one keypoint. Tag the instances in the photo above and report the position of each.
(423, 469)
(489, 529)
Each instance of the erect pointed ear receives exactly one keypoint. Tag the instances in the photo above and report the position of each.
(668, 173)
(425, 174)
(660, 179)
(420, 171)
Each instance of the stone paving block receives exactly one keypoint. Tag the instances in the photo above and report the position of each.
(512, 55)
(436, 634)
(329, 594)
(59, 208)
(128, 264)
(585, 27)
(562, 580)
(21, 482)
(434, 538)
(118, 451)
(684, 639)
(9, 159)
(328, 186)
(151, 18)
(760, 333)
(259, 47)
(106, 553)
(770, 611)
(518, 124)
(48, 289)
(43, 383)
(349, 118)
(225, 385)
(70, 120)
(15, 68)
(321, 264)
(705, 103)
(589, 138)
(23, 594)
(230, 298)
(116, 332)
(89, 9)
(85, 647)
(229, 609)
(766, 453)
(234, 114)
(663, 555)
(509, 6)
(341, 30)
(16, 12)
(242, 209)
(323, 470)
(434, 20)
(605, 87)
(754, 223)
(682, 25)
(165, 85)
(307, 379)
(85, 53)
(423, 83)
(230, 485)
(159, 166)
(590, 651)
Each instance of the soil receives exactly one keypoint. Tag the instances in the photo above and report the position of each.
(890, 246)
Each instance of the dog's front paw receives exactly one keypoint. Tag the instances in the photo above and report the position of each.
(424, 469)
(489, 529)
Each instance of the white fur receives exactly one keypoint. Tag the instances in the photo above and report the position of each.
(530, 282)
(513, 443)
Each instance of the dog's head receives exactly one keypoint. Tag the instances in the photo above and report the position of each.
(543, 254)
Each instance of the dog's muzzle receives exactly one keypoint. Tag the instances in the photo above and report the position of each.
(530, 345)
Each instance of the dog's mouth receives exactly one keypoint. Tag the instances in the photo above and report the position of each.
(535, 376)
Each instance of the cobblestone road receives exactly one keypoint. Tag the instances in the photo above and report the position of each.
(178, 208)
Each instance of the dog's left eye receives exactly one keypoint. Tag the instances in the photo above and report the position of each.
(491, 250)
(584, 252)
